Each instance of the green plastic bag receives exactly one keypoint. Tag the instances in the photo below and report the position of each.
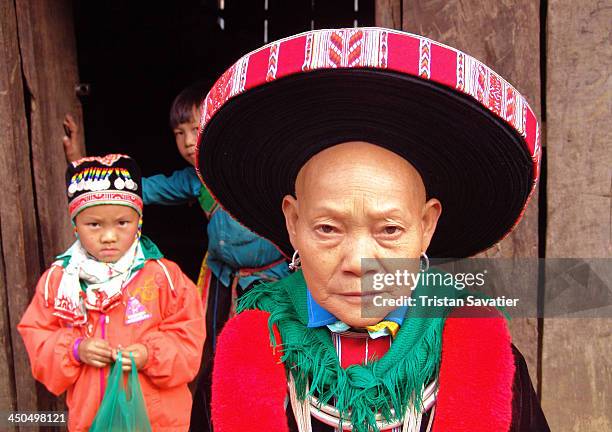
(122, 409)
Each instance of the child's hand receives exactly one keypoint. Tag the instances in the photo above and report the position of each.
(95, 352)
(139, 352)
(72, 147)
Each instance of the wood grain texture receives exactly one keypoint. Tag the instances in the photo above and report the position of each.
(388, 13)
(577, 374)
(48, 50)
(502, 34)
(19, 235)
(48, 55)
(579, 95)
(505, 36)
(7, 379)
(577, 354)
(7, 31)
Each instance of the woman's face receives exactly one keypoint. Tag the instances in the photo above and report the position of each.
(354, 201)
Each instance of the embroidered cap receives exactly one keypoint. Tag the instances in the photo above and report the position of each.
(111, 179)
(469, 133)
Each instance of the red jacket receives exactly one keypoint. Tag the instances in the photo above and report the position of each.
(475, 381)
(174, 336)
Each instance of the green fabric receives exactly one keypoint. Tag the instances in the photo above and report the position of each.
(63, 259)
(309, 354)
(150, 249)
(122, 409)
(206, 200)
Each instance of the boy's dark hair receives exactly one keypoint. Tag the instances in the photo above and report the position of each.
(182, 106)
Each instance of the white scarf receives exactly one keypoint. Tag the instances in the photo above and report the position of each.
(105, 282)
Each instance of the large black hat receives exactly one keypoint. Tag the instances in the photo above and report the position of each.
(469, 133)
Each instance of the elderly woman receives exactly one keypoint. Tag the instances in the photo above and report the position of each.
(352, 144)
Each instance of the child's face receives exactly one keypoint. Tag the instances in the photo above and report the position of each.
(107, 231)
(185, 135)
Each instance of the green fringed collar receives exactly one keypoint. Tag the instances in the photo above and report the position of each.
(391, 382)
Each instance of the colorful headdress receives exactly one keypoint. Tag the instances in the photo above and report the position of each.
(471, 135)
(112, 179)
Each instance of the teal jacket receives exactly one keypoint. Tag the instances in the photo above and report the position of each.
(231, 246)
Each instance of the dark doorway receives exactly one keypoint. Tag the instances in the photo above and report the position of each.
(138, 55)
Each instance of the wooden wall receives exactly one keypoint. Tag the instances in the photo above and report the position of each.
(577, 353)
(508, 40)
(505, 36)
(569, 359)
(38, 73)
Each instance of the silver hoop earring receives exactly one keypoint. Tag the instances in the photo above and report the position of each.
(424, 262)
(295, 262)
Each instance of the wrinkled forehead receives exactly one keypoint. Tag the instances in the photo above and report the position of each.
(359, 167)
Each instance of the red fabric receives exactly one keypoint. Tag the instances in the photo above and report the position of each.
(477, 370)
(394, 51)
(403, 53)
(174, 336)
(260, 64)
(444, 68)
(249, 384)
(353, 350)
(293, 56)
(476, 375)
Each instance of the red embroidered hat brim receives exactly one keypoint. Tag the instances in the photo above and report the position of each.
(471, 135)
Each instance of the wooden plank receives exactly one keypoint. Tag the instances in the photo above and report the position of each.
(20, 252)
(8, 34)
(577, 374)
(48, 50)
(7, 379)
(505, 36)
(388, 14)
(578, 111)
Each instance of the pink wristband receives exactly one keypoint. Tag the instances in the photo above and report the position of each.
(75, 349)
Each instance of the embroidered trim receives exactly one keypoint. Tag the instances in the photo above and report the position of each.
(425, 58)
(369, 48)
(346, 48)
(107, 197)
(273, 62)
(107, 160)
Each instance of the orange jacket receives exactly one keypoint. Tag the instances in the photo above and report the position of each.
(174, 336)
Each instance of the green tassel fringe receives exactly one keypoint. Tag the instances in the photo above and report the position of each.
(392, 382)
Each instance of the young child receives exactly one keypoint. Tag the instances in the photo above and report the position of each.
(237, 258)
(112, 289)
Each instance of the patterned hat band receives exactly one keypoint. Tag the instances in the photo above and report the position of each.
(109, 197)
